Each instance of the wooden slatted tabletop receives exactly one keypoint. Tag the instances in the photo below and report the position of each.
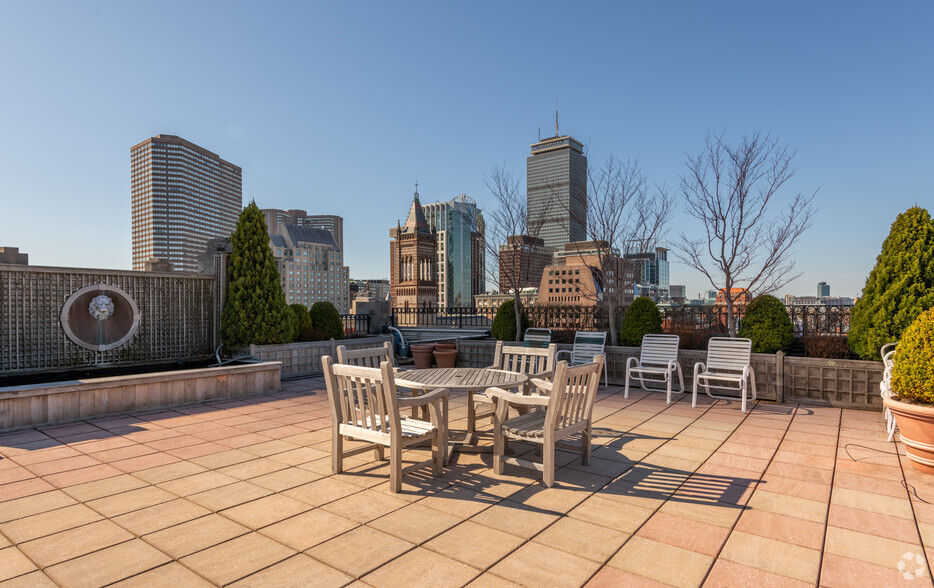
(457, 379)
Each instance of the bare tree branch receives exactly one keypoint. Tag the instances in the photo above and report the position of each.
(730, 190)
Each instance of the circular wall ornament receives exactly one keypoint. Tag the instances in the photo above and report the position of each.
(100, 317)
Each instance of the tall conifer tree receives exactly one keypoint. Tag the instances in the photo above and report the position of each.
(255, 311)
(898, 288)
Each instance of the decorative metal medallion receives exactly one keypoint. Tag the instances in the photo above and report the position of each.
(101, 307)
(100, 317)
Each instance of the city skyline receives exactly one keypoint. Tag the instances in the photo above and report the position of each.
(846, 85)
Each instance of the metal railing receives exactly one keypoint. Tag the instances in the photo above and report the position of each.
(356, 324)
(817, 319)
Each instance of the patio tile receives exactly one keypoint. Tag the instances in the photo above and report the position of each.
(877, 503)
(194, 535)
(421, 567)
(663, 563)
(285, 479)
(684, 533)
(365, 506)
(299, 456)
(196, 450)
(159, 516)
(726, 574)
(229, 495)
(797, 472)
(583, 539)
(459, 501)
(772, 556)
(297, 571)
(164, 473)
(322, 491)
(118, 504)
(343, 552)
(792, 487)
(517, 519)
(49, 522)
(31, 580)
(108, 565)
(308, 529)
(196, 483)
(223, 459)
(415, 523)
(803, 459)
(868, 548)
(237, 558)
(609, 577)
(895, 528)
(36, 503)
(13, 563)
(461, 543)
(265, 511)
(250, 468)
(851, 481)
(782, 528)
(73, 543)
(792, 506)
(171, 574)
(105, 487)
(535, 564)
(609, 513)
(24, 488)
(82, 476)
(843, 572)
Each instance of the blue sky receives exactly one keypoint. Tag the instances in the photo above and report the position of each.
(339, 107)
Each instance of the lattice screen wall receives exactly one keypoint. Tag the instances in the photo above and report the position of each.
(177, 317)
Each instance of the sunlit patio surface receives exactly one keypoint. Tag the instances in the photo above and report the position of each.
(241, 492)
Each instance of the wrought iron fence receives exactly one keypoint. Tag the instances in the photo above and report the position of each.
(356, 324)
(818, 319)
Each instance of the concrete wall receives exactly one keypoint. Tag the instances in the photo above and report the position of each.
(804, 380)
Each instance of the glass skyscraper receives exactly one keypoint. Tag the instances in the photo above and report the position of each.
(556, 172)
(461, 249)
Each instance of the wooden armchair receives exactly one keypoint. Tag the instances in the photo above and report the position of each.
(658, 359)
(728, 367)
(531, 361)
(564, 408)
(365, 406)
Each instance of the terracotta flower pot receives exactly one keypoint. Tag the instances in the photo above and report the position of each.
(422, 355)
(916, 429)
(446, 358)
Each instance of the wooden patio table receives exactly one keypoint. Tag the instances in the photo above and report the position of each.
(471, 380)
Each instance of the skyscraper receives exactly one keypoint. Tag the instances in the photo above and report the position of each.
(556, 172)
(182, 195)
(823, 290)
(333, 223)
(458, 225)
(413, 262)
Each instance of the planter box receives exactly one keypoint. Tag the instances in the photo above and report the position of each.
(36, 404)
(843, 383)
(304, 359)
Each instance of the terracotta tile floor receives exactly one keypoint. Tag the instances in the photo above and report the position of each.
(240, 492)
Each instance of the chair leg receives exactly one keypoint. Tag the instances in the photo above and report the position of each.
(337, 451)
(395, 467)
(471, 416)
(499, 448)
(668, 379)
(694, 393)
(680, 378)
(626, 388)
(743, 393)
(437, 452)
(548, 461)
(379, 453)
(586, 435)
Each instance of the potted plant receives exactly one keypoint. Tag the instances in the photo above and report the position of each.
(912, 400)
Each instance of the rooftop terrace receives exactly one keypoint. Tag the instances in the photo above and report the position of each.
(240, 492)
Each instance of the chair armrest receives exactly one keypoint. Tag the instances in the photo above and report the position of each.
(699, 368)
(564, 351)
(543, 384)
(630, 360)
(516, 399)
(546, 376)
(424, 399)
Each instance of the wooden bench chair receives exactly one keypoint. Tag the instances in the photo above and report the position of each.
(365, 407)
(658, 359)
(729, 364)
(564, 408)
(531, 361)
(587, 344)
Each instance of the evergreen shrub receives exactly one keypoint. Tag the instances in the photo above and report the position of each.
(641, 318)
(255, 311)
(302, 322)
(504, 323)
(326, 321)
(913, 372)
(899, 287)
(767, 323)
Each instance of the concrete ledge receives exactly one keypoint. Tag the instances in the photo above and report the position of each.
(36, 404)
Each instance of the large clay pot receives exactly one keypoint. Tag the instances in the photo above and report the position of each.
(422, 355)
(446, 358)
(916, 430)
